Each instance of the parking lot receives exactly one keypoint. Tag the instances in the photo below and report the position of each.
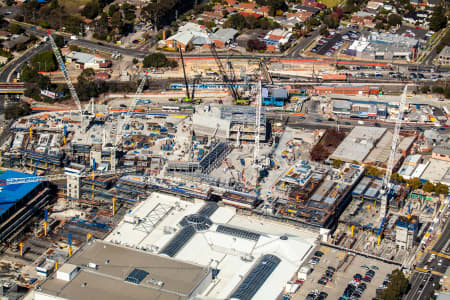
(330, 44)
(346, 266)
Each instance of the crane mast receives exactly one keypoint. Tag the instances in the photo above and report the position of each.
(257, 124)
(387, 176)
(72, 90)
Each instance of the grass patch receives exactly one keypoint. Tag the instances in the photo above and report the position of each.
(330, 3)
(72, 6)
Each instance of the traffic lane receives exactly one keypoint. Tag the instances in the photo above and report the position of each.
(417, 279)
(438, 247)
(5, 74)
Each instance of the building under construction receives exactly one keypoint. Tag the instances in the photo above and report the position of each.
(316, 194)
(231, 123)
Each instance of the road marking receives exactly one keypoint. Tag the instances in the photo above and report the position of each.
(440, 254)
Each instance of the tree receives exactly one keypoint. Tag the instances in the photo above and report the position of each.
(331, 21)
(324, 31)
(87, 75)
(129, 11)
(156, 60)
(44, 61)
(16, 111)
(438, 19)
(135, 61)
(16, 29)
(425, 89)
(337, 163)
(91, 9)
(428, 187)
(437, 89)
(396, 177)
(112, 9)
(396, 288)
(394, 20)
(415, 183)
(236, 21)
(441, 189)
(373, 171)
(256, 45)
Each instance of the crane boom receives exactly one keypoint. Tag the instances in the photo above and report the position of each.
(59, 58)
(387, 176)
(131, 108)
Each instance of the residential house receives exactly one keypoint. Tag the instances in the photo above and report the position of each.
(4, 35)
(305, 8)
(263, 10)
(444, 56)
(11, 44)
(223, 37)
(416, 17)
(314, 4)
(289, 23)
(86, 60)
(302, 16)
(231, 2)
(363, 19)
(373, 6)
(247, 7)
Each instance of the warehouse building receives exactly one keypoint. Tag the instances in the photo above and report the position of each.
(106, 271)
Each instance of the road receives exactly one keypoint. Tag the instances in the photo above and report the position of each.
(110, 48)
(297, 49)
(437, 264)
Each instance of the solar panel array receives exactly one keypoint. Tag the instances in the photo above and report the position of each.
(208, 209)
(136, 276)
(256, 278)
(178, 241)
(245, 234)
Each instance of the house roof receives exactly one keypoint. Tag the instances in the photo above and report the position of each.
(182, 37)
(264, 9)
(247, 5)
(189, 26)
(307, 8)
(13, 42)
(231, 2)
(84, 58)
(442, 149)
(224, 35)
(245, 14)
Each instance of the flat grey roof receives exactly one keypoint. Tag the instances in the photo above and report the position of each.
(357, 145)
(108, 281)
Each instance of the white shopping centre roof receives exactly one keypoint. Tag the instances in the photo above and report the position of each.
(234, 255)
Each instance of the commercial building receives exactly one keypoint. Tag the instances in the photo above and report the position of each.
(444, 56)
(441, 152)
(384, 46)
(102, 270)
(223, 37)
(342, 89)
(251, 258)
(86, 60)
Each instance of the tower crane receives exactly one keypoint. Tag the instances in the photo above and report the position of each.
(386, 187)
(121, 125)
(72, 90)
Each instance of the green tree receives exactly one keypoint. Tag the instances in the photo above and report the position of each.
(396, 177)
(337, 163)
(415, 183)
(112, 9)
(16, 111)
(441, 189)
(396, 288)
(156, 60)
(324, 31)
(447, 92)
(91, 9)
(87, 75)
(373, 171)
(44, 61)
(394, 19)
(428, 187)
(425, 89)
(236, 21)
(437, 89)
(16, 29)
(129, 11)
(438, 19)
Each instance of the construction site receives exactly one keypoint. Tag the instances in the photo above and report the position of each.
(230, 192)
